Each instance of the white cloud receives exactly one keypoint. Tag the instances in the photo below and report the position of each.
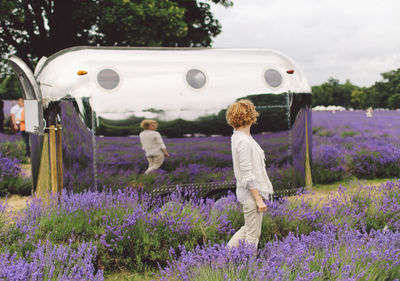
(344, 39)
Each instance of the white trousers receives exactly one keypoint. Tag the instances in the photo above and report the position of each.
(251, 231)
(155, 162)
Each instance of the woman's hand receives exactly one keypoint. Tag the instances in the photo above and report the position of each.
(261, 207)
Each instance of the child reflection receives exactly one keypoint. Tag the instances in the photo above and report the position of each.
(152, 144)
(252, 183)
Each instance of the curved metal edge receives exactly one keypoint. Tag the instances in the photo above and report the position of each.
(21, 69)
(39, 66)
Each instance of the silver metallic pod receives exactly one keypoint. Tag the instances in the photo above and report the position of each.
(100, 95)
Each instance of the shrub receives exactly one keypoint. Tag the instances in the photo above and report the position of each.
(327, 164)
(381, 162)
(10, 180)
(14, 148)
(51, 262)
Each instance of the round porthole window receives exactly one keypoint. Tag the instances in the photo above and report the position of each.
(273, 78)
(196, 79)
(108, 79)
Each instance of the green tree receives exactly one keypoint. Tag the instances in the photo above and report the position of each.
(381, 92)
(9, 88)
(359, 99)
(333, 93)
(394, 101)
(392, 80)
(32, 29)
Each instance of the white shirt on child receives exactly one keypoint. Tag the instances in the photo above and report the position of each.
(152, 142)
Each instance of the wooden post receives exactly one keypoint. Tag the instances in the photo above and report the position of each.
(59, 159)
(308, 166)
(44, 182)
(53, 159)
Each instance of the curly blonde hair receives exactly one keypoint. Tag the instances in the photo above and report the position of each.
(241, 113)
(145, 124)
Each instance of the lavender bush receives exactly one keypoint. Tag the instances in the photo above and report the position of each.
(328, 164)
(360, 146)
(51, 262)
(134, 231)
(12, 146)
(345, 254)
(11, 181)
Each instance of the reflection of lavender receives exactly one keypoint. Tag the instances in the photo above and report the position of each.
(193, 160)
(299, 143)
(77, 150)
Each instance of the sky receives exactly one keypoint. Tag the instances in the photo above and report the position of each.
(344, 39)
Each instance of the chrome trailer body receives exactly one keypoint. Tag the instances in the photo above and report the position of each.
(100, 95)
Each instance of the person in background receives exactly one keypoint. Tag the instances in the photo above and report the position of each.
(252, 182)
(369, 112)
(152, 144)
(1, 116)
(18, 123)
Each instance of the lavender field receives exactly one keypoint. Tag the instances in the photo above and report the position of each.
(350, 235)
(351, 144)
(87, 236)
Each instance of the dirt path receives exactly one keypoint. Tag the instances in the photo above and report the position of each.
(16, 203)
(26, 170)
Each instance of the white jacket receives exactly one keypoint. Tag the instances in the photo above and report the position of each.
(249, 167)
(152, 142)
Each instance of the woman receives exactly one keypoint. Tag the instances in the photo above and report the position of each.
(252, 182)
(152, 144)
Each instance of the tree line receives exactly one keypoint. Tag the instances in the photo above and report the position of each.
(382, 94)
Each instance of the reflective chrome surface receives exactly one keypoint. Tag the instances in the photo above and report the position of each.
(100, 96)
(110, 154)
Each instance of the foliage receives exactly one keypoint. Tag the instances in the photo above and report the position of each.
(365, 147)
(375, 164)
(359, 98)
(11, 181)
(13, 149)
(382, 94)
(9, 88)
(51, 262)
(333, 93)
(134, 232)
(327, 165)
(32, 29)
(394, 101)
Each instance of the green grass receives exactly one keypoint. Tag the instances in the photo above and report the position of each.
(349, 183)
(128, 276)
(348, 134)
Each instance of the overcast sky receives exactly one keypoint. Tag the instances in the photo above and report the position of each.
(344, 39)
